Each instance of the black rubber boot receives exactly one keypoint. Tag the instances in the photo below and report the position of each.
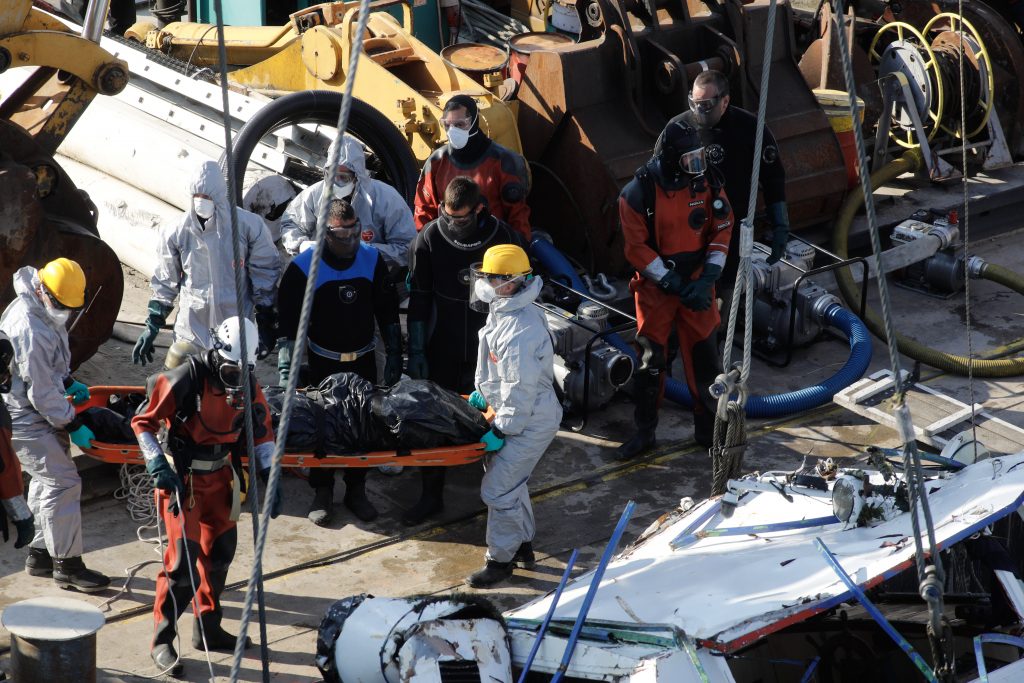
(71, 573)
(431, 499)
(26, 532)
(39, 562)
(524, 557)
(645, 414)
(493, 573)
(355, 496)
(217, 639)
(321, 510)
(166, 660)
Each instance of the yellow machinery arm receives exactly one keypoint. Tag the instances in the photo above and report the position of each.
(43, 214)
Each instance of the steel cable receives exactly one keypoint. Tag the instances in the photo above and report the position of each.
(273, 480)
(247, 384)
(912, 460)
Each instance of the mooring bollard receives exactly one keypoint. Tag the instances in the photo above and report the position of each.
(53, 639)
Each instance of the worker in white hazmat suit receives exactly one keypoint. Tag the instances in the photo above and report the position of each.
(43, 420)
(196, 266)
(514, 375)
(385, 218)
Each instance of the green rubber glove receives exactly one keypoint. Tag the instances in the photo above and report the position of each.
(164, 478)
(284, 361)
(493, 440)
(672, 282)
(143, 351)
(696, 295)
(477, 400)
(78, 392)
(393, 345)
(417, 365)
(82, 436)
(778, 216)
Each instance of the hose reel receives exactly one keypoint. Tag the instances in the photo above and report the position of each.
(929, 59)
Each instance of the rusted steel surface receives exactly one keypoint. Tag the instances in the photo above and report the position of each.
(591, 134)
(43, 215)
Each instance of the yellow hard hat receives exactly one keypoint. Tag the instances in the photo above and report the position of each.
(66, 281)
(505, 259)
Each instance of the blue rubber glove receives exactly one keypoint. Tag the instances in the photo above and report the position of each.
(78, 392)
(779, 218)
(696, 295)
(82, 436)
(477, 400)
(493, 440)
(275, 501)
(164, 478)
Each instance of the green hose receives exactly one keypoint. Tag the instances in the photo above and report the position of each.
(911, 162)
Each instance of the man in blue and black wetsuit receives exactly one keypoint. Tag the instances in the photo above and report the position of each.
(352, 290)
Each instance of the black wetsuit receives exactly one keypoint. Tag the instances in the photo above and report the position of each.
(439, 293)
(729, 148)
(350, 294)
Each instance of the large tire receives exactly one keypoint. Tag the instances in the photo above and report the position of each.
(397, 164)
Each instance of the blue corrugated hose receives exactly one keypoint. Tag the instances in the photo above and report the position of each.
(769, 405)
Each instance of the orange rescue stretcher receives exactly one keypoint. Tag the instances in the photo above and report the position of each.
(446, 456)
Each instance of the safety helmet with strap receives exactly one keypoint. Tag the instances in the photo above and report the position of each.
(64, 279)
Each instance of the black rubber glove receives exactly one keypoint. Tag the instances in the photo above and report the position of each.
(275, 500)
(696, 295)
(393, 345)
(143, 351)
(266, 324)
(417, 365)
(672, 282)
(779, 218)
(167, 480)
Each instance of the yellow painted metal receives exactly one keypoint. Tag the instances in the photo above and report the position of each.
(40, 21)
(13, 14)
(197, 43)
(398, 75)
(68, 52)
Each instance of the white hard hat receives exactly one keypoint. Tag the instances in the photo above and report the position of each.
(227, 340)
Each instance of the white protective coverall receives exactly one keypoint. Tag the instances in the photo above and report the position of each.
(196, 263)
(383, 214)
(39, 414)
(515, 373)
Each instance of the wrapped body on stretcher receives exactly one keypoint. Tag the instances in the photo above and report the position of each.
(344, 422)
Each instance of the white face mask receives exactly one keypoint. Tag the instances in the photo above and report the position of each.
(58, 315)
(457, 137)
(484, 292)
(344, 191)
(203, 207)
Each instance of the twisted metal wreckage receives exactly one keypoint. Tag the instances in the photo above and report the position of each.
(752, 572)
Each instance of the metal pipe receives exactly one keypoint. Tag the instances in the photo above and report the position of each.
(613, 543)
(547, 618)
(95, 18)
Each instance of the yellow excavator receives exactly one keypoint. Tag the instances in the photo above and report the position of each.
(50, 74)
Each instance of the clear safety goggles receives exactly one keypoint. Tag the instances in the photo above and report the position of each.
(693, 161)
(705, 106)
(345, 232)
(463, 222)
(461, 124)
(486, 287)
(57, 305)
(343, 177)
